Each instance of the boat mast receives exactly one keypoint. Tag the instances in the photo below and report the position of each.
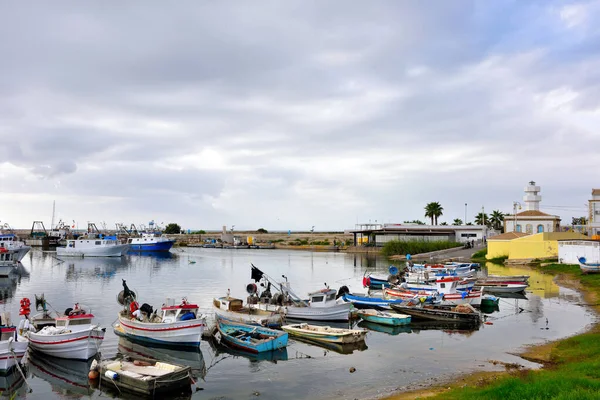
(53, 211)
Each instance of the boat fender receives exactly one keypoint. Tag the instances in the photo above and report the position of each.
(366, 282)
(112, 375)
(68, 311)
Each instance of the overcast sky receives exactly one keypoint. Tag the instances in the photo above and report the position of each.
(289, 114)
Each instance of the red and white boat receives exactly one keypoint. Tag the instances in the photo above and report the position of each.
(73, 336)
(12, 347)
(177, 325)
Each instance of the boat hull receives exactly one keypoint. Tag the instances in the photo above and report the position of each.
(338, 312)
(504, 288)
(390, 319)
(11, 353)
(257, 317)
(162, 246)
(179, 333)
(78, 345)
(326, 333)
(439, 315)
(371, 302)
(100, 251)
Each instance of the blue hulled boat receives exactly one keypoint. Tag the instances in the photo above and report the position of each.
(151, 241)
(384, 318)
(254, 339)
(372, 302)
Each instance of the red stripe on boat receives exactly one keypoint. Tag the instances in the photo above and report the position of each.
(66, 340)
(183, 307)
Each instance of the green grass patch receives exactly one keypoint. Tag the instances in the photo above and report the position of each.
(398, 247)
(498, 260)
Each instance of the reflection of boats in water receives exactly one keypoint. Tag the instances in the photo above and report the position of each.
(341, 348)
(448, 327)
(65, 376)
(272, 356)
(152, 254)
(11, 383)
(190, 357)
(390, 330)
(520, 296)
(8, 286)
(98, 268)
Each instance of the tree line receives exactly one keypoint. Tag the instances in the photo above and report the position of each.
(434, 210)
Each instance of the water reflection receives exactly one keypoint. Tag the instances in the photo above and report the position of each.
(8, 286)
(102, 268)
(69, 377)
(540, 284)
(190, 357)
(389, 330)
(12, 384)
(340, 348)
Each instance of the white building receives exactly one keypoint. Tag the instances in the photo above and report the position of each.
(532, 220)
(569, 251)
(594, 213)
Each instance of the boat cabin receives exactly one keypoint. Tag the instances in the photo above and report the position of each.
(174, 313)
(228, 303)
(322, 298)
(7, 332)
(447, 284)
(7, 256)
(75, 322)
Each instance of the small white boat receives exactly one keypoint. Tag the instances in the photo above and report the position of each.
(73, 336)
(322, 306)
(588, 267)
(177, 325)
(384, 317)
(233, 310)
(325, 333)
(12, 347)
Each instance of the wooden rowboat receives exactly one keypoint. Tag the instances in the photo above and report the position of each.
(326, 333)
(254, 339)
(148, 379)
(437, 314)
(384, 318)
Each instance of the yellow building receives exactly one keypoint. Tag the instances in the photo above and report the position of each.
(520, 246)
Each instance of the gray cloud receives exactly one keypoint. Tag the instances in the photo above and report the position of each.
(274, 114)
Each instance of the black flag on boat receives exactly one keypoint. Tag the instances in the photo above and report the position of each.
(257, 274)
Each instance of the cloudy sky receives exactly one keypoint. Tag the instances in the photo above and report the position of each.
(289, 114)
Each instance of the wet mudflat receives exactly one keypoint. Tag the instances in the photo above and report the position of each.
(391, 357)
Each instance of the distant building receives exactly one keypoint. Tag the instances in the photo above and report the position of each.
(379, 234)
(594, 213)
(532, 220)
(520, 246)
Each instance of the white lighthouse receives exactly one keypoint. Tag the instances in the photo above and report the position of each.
(532, 198)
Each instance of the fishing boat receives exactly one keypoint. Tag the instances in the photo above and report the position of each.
(325, 333)
(150, 241)
(12, 345)
(504, 287)
(441, 314)
(10, 241)
(155, 380)
(92, 245)
(74, 336)
(384, 318)
(321, 305)
(233, 310)
(502, 279)
(375, 282)
(588, 267)
(177, 325)
(254, 339)
(377, 303)
(222, 349)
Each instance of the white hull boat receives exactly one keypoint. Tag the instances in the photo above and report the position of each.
(8, 261)
(12, 347)
(325, 333)
(337, 312)
(11, 242)
(504, 288)
(92, 247)
(178, 325)
(232, 310)
(73, 337)
(588, 267)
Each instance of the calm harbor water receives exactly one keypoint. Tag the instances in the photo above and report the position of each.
(391, 358)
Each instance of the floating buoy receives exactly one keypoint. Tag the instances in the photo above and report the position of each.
(352, 369)
(488, 323)
(93, 374)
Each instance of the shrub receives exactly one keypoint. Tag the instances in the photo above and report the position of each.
(262, 230)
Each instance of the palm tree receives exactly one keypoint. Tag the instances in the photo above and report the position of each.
(444, 223)
(434, 210)
(482, 219)
(457, 221)
(496, 219)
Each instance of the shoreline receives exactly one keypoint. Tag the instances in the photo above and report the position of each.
(535, 353)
